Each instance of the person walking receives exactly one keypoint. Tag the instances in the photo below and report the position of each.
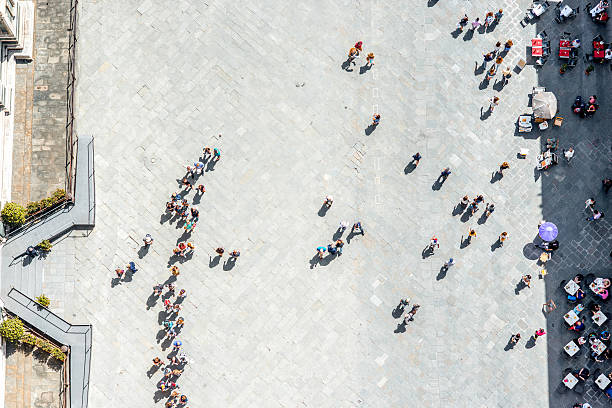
(157, 289)
(503, 167)
(502, 238)
(476, 23)
(497, 48)
(329, 200)
(515, 338)
(444, 174)
(462, 22)
(234, 255)
(538, 333)
(527, 280)
(148, 240)
(321, 251)
(375, 119)
(488, 57)
(506, 75)
(433, 244)
(465, 201)
(182, 293)
(596, 215)
(370, 60)
(358, 228)
(353, 53)
(201, 189)
(410, 315)
(473, 207)
(568, 154)
(489, 209)
(590, 203)
(175, 270)
(471, 234)
(119, 272)
(606, 184)
(216, 154)
(359, 46)
(220, 251)
(491, 73)
(499, 15)
(493, 102)
(508, 45)
(186, 184)
(176, 345)
(416, 158)
(448, 264)
(339, 245)
(343, 226)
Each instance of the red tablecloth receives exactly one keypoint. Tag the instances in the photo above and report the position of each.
(564, 52)
(599, 53)
(564, 43)
(536, 51)
(536, 42)
(598, 45)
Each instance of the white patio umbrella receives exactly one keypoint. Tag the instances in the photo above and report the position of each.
(544, 105)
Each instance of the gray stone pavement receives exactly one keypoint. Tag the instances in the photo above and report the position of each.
(272, 330)
(39, 154)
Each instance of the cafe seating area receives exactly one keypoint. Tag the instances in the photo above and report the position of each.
(587, 345)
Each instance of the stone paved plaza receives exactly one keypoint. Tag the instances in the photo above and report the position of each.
(263, 81)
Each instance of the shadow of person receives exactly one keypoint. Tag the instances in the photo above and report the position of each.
(469, 34)
(519, 286)
(465, 242)
(530, 343)
(314, 261)
(499, 85)
(337, 235)
(370, 129)
(496, 244)
(363, 69)
(214, 261)
(483, 218)
(398, 311)
(161, 334)
(536, 173)
(170, 279)
(496, 176)
(442, 273)
(143, 251)
(401, 328)
(128, 276)
(484, 83)
(427, 252)
(165, 217)
(166, 343)
(482, 29)
(437, 185)
(211, 165)
(346, 65)
(229, 264)
(510, 345)
(350, 236)
(323, 210)
(466, 216)
(484, 114)
(326, 260)
(459, 208)
(431, 3)
(197, 198)
(456, 32)
(160, 395)
(115, 282)
(151, 301)
(152, 371)
(161, 316)
(410, 167)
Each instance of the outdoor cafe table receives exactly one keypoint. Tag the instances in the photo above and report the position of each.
(571, 287)
(599, 318)
(565, 11)
(599, 54)
(570, 381)
(594, 287)
(571, 348)
(598, 45)
(597, 346)
(536, 51)
(564, 53)
(571, 317)
(602, 381)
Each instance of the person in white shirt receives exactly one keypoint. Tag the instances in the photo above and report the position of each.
(569, 154)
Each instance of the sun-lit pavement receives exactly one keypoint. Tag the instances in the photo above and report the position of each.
(160, 81)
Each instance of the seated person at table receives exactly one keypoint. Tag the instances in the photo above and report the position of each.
(576, 296)
(608, 392)
(592, 109)
(581, 375)
(577, 104)
(578, 278)
(594, 308)
(604, 356)
(602, 283)
(578, 326)
(580, 340)
(576, 43)
(605, 336)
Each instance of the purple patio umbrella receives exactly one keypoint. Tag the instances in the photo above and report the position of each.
(548, 231)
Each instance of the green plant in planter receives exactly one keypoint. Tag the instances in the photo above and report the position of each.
(27, 338)
(33, 207)
(43, 300)
(59, 194)
(13, 214)
(563, 68)
(11, 329)
(589, 69)
(45, 245)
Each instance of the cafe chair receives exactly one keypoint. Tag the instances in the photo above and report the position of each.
(558, 20)
(572, 62)
(567, 35)
(587, 7)
(542, 34)
(562, 284)
(595, 374)
(588, 57)
(558, 121)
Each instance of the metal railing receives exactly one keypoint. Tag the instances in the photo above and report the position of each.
(71, 136)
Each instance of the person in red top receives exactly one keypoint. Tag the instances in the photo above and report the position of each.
(358, 46)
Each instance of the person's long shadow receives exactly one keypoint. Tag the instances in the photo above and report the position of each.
(469, 34)
(326, 260)
(498, 85)
(165, 217)
(370, 129)
(363, 69)
(437, 185)
(465, 242)
(323, 210)
(211, 165)
(427, 252)
(519, 286)
(410, 167)
(197, 198)
(170, 279)
(338, 234)
(456, 32)
(442, 273)
(173, 259)
(459, 208)
(510, 345)
(483, 218)
(431, 3)
(496, 244)
(143, 251)
(214, 261)
(151, 301)
(314, 261)
(229, 264)
(482, 29)
(346, 65)
(401, 328)
(161, 316)
(166, 343)
(397, 312)
(484, 114)
(152, 371)
(160, 395)
(530, 343)
(466, 216)
(536, 174)
(496, 176)
(161, 334)
(115, 282)
(484, 83)
(479, 69)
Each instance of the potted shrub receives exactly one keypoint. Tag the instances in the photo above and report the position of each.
(11, 329)
(563, 69)
(45, 245)
(43, 300)
(13, 214)
(589, 69)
